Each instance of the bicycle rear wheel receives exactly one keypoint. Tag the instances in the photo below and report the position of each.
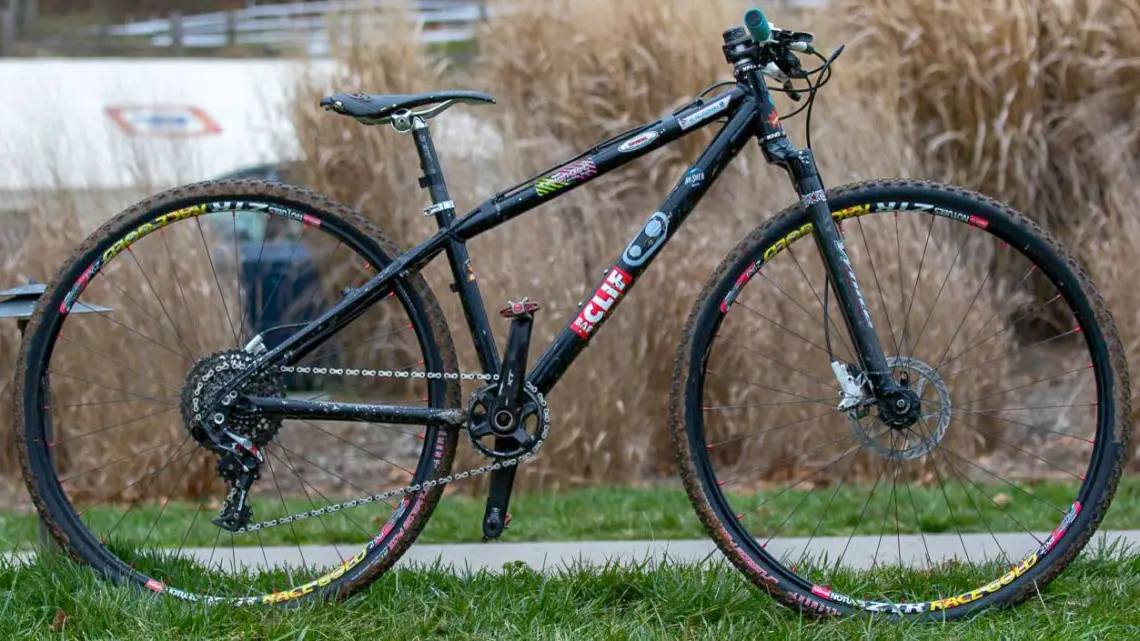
(127, 483)
(1024, 427)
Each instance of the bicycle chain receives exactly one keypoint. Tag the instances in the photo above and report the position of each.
(411, 489)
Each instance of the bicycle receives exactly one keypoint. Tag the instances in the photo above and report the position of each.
(894, 409)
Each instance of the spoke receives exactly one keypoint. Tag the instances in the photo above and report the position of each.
(354, 445)
(292, 252)
(1003, 480)
(217, 281)
(813, 474)
(986, 522)
(119, 363)
(783, 327)
(983, 326)
(835, 332)
(710, 408)
(918, 522)
(315, 358)
(165, 503)
(878, 286)
(161, 305)
(313, 291)
(115, 462)
(781, 364)
(966, 315)
(142, 308)
(890, 502)
(289, 463)
(110, 427)
(769, 429)
(826, 509)
(110, 317)
(116, 402)
(803, 309)
(1019, 449)
(1015, 352)
(182, 292)
(855, 528)
(177, 455)
(312, 504)
(193, 522)
(1028, 425)
(237, 279)
(153, 399)
(918, 276)
(1030, 384)
(770, 389)
(329, 472)
(938, 296)
(1009, 327)
(773, 464)
(942, 487)
(285, 510)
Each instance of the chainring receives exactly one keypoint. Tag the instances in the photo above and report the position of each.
(530, 430)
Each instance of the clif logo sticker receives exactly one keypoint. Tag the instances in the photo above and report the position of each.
(599, 305)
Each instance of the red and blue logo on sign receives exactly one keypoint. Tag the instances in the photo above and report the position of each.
(163, 121)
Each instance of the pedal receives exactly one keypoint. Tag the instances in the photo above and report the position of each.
(523, 307)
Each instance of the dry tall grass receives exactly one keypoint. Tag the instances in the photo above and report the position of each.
(1026, 105)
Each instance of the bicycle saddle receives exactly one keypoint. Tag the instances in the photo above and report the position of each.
(380, 108)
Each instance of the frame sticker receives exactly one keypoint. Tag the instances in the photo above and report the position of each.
(595, 310)
(637, 142)
(703, 114)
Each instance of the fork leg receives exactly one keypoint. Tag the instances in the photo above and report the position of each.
(801, 167)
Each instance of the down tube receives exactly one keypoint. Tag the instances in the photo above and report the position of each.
(639, 253)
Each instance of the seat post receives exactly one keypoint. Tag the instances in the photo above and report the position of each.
(442, 206)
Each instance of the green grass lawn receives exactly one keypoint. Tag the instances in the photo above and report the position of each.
(51, 598)
(624, 513)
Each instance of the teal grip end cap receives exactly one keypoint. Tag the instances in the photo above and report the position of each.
(757, 25)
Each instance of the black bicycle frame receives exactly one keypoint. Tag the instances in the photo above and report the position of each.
(750, 113)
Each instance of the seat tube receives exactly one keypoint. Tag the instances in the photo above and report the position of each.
(458, 257)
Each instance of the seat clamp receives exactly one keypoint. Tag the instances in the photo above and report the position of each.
(432, 210)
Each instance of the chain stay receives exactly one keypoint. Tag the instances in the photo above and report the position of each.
(411, 489)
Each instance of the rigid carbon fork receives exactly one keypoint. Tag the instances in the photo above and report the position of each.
(505, 412)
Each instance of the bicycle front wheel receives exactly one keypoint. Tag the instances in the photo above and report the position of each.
(149, 315)
(1013, 459)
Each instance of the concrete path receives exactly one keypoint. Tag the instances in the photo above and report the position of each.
(861, 552)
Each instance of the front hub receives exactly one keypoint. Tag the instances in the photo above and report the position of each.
(911, 421)
(900, 409)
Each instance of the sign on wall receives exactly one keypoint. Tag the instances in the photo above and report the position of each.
(163, 120)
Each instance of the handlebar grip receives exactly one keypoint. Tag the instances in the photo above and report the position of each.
(757, 25)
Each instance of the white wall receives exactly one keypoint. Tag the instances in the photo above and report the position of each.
(55, 130)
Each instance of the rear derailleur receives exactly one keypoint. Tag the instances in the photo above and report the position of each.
(235, 435)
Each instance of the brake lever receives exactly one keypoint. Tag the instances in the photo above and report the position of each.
(791, 91)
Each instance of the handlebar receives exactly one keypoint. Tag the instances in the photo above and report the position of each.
(757, 25)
